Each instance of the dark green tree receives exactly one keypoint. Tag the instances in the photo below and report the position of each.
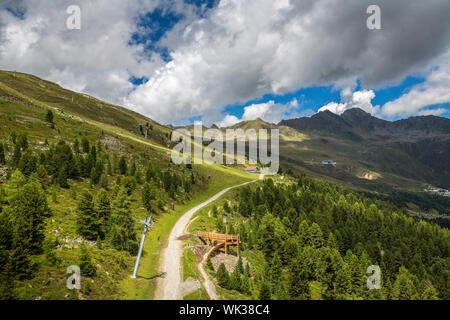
(123, 166)
(49, 116)
(222, 275)
(87, 266)
(121, 232)
(87, 220)
(147, 196)
(102, 208)
(2, 154)
(298, 280)
(265, 292)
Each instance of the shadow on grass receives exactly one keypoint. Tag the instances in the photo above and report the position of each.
(159, 275)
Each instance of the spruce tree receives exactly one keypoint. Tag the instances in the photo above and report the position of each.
(6, 270)
(85, 262)
(2, 154)
(298, 280)
(76, 146)
(222, 275)
(264, 292)
(315, 236)
(49, 117)
(240, 265)
(87, 220)
(123, 166)
(275, 269)
(62, 177)
(235, 280)
(102, 208)
(85, 145)
(403, 288)
(147, 197)
(121, 232)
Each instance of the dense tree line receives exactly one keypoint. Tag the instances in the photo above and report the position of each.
(312, 232)
(103, 213)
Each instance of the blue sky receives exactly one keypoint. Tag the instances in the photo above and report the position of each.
(310, 99)
(222, 61)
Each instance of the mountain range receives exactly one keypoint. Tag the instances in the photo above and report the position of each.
(370, 153)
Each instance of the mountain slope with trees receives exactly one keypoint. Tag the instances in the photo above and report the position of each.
(308, 239)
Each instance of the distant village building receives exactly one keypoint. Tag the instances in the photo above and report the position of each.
(328, 162)
(253, 169)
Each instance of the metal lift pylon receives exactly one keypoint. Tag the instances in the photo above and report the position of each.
(148, 223)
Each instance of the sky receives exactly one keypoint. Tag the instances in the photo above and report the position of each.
(224, 61)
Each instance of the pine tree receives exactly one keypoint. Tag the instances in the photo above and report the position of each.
(147, 196)
(49, 117)
(240, 265)
(87, 224)
(403, 288)
(76, 146)
(245, 285)
(62, 177)
(289, 250)
(315, 236)
(275, 269)
(17, 154)
(85, 262)
(331, 242)
(222, 275)
(30, 204)
(42, 176)
(23, 141)
(85, 145)
(123, 166)
(121, 232)
(298, 280)
(6, 270)
(235, 280)
(27, 211)
(303, 234)
(264, 291)
(102, 208)
(2, 154)
(50, 253)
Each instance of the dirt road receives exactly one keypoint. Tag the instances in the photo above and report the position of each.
(169, 287)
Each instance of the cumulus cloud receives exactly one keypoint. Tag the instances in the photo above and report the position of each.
(233, 53)
(434, 91)
(270, 112)
(245, 49)
(96, 59)
(349, 100)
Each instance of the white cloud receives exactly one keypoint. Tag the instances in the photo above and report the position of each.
(96, 59)
(435, 90)
(359, 99)
(244, 49)
(234, 53)
(269, 111)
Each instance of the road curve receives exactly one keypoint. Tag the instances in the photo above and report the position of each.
(169, 287)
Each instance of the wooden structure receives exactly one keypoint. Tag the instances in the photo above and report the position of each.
(226, 239)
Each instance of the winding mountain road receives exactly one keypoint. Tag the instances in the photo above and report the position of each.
(169, 287)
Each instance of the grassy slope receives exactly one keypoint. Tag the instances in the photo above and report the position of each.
(50, 95)
(144, 287)
(49, 282)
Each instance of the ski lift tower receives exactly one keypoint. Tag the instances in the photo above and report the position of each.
(148, 223)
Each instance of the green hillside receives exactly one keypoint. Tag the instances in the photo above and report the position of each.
(306, 239)
(24, 88)
(75, 180)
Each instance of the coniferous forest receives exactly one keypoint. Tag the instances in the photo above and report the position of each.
(101, 183)
(317, 241)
